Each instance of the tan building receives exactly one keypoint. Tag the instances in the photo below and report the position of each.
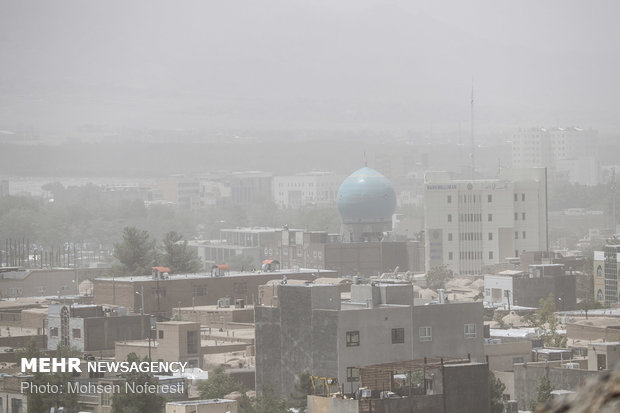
(604, 356)
(503, 356)
(17, 283)
(202, 406)
(163, 293)
(172, 341)
(606, 279)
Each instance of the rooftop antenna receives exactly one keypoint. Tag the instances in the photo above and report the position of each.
(473, 141)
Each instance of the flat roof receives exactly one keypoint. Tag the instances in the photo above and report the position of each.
(208, 275)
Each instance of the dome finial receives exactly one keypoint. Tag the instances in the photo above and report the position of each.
(365, 159)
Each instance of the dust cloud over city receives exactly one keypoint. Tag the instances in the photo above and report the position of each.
(321, 206)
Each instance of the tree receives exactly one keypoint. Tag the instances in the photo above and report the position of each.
(127, 402)
(268, 402)
(218, 385)
(303, 387)
(496, 392)
(438, 276)
(545, 319)
(43, 402)
(178, 256)
(543, 393)
(136, 251)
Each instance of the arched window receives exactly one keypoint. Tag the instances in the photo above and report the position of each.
(599, 296)
(64, 326)
(599, 271)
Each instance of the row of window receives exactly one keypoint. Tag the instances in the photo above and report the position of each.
(398, 335)
(522, 216)
(473, 198)
(471, 217)
(469, 255)
(75, 332)
(522, 234)
(470, 236)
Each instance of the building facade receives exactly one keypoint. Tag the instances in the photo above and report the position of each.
(311, 330)
(606, 276)
(472, 224)
(568, 153)
(306, 189)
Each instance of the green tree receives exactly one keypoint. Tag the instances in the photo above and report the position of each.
(218, 385)
(545, 319)
(303, 387)
(438, 276)
(43, 402)
(496, 392)
(127, 402)
(543, 393)
(136, 251)
(178, 256)
(268, 402)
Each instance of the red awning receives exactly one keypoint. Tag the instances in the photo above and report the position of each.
(268, 261)
(222, 267)
(161, 269)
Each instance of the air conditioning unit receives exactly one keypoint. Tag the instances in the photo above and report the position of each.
(239, 303)
(223, 302)
(366, 393)
(571, 365)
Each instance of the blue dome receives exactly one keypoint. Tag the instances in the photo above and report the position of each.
(366, 196)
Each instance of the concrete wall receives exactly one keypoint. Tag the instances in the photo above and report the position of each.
(527, 378)
(529, 291)
(101, 333)
(586, 332)
(375, 334)
(268, 348)
(447, 322)
(466, 388)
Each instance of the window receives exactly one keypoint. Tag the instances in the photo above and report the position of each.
(353, 338)
(449, 217)
(449, 199)
(470, 330)
(490, 255)
(490, 236)
(523, 216)
(192, 342)
(516, 234)
(487, 292)
(522, 197)
(516, 197)
(161, 334)
(353, 374)
(54, 332)
(398, 335)
(516, 216)
(523, 235)
(490, 217)
(426, 334)
(77, 333)
(489, 198)
(450, 255)
(449, 236)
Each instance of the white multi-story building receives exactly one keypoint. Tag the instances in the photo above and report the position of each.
(568, 153)
(307, 188)
(471, 224)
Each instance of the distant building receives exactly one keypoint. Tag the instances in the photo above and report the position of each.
(568, 153)
(163, 292)
(527, 288)
(250, 187)
(20, 282)
(311, 330)
(305, 189)
(179, 190)
(172, 341)
(606, 275)
(92, 328)
(473, 224)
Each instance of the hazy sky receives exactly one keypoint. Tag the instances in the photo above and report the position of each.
(308, 64)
